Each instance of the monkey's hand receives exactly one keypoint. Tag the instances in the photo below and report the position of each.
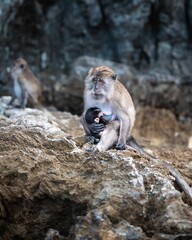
(96, 128)
(120, 146)
(92, 139)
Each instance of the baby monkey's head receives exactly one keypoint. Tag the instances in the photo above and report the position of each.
(93, 114)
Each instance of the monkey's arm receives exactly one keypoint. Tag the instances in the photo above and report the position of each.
(85, 125)
(109, 136)
(93, 130)
(24, 96)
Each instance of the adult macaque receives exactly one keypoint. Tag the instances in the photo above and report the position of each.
(26, 87)
(103, 90)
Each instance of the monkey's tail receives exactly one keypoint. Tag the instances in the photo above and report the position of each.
(178, 177)
(132, 143)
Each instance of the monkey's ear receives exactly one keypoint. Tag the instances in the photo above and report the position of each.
(90, 72)
(114, 76)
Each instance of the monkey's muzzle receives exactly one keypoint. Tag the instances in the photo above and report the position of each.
(97, 96)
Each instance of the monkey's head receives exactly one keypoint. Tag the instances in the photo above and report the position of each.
(18, 66)
(93, 115)
(100, 81)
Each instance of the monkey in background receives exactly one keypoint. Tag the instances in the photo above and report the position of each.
(26, 87)
(104, 91)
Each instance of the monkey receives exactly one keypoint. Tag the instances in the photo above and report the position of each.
(95, 115)
(104, 91)
(107, 99)
(26, 87)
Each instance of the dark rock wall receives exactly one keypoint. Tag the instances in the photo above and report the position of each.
(151, 35)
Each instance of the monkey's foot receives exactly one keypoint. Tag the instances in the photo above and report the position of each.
(92, 139)
(120, 146)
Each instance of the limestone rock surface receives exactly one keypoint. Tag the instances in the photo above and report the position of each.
(50, 186)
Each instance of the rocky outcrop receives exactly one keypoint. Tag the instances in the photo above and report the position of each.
(50, 184)
(154, 37)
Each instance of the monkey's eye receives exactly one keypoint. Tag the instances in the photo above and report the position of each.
(100, 80)
(22, 66)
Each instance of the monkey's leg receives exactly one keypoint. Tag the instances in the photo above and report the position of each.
(123, 132)
(12, 99)
(33, 100)
(109, 136)
(85, 126)
(24, 97)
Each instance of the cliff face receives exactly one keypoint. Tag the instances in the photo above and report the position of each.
(153, 37)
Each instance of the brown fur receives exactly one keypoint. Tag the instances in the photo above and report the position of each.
(26, 87)
(113, 97)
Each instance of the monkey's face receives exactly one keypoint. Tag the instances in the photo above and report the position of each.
(98, 86)
(17, 67)
(98, 81)
(97, 114)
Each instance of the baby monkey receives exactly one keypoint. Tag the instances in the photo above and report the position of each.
(94, 116)
(26, 87)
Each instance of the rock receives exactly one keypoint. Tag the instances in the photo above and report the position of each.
(49, 182)
(161, 127)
